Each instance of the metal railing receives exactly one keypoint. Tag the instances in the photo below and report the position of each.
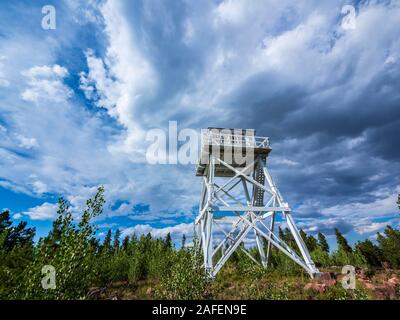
(234, 140)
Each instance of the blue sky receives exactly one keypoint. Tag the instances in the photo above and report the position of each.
(76, 103)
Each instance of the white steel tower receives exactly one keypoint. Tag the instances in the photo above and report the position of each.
(238, 189)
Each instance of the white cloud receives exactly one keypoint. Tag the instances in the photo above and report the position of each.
(46, 83)
(46, 211)
(385, 205)
(369, 227)
(176, 231)
(74, 150)
(232, 11)
(39, 187)
(17, 216)
(26, 143)
(122, 80)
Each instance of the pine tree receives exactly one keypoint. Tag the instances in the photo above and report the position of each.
(303, 235)
(342, 242)
(5, 221)
(95, 243)
(371, 252)
(117, 235)
(64, 218)
(389, 243)
(183, 241)
(21, 235)
(125, 243)
(322, 242)
(15, 236)
(289, 239)
(106, 247)
(168, 241)
(310, 241)
(281, 235)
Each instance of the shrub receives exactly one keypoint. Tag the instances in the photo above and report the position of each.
(186, 279)
(70, 251)
(320, 257)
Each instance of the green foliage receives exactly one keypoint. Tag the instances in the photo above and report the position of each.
(125, 243)
(106, 246)
(186, 278)
(16, 252)
(389, 243)
(183, 241)
(337, 292)
(81, 262)
(70, 251)
(116, 243)
(354, 258)
(371, 252)
(323, 244)
(284, 264)
(270, 291)
(342, 242)
(320, 257)
(309, 241)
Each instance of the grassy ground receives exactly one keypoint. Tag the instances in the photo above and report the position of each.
(256, 284)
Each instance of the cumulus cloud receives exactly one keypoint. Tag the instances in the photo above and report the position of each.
(46, 82)
(120, 81)
(176, 231)
(17, 216)
(46, 211)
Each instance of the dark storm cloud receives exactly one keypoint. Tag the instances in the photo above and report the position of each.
(327, 227)
(346, 129)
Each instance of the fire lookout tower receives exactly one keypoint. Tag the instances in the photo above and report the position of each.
(239, 190)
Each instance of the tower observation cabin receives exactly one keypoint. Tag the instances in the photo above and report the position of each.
(240, 202)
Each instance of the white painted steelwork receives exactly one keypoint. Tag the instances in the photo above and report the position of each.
(247, 197)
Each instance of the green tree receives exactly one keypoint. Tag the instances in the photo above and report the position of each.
(281, 235)
(16, 253)
(72, 258)
(320, 257)
(322, 242)
(309, 240)
(342, 242)
(125, 243)
(303, 235)
(106, 247)
(185, 279)
(5, 221)
(389, 243)
(117, 235)
(183, 241)
(19, 235)
(371, 252)
(168, 240)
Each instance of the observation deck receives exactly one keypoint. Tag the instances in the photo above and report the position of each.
(236, 147)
